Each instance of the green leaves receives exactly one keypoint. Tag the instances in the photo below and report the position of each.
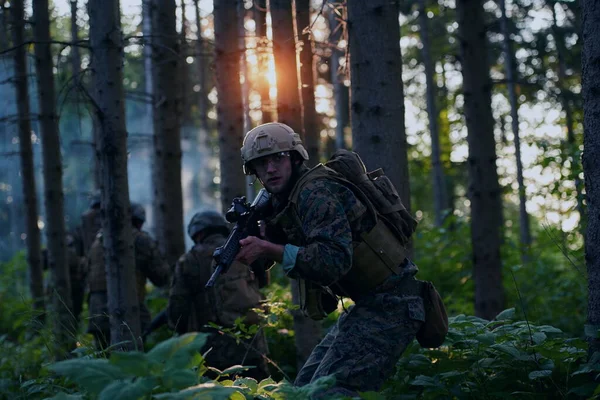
(92, 375)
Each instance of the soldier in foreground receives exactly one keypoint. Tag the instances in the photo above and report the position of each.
(192, 306)
(324, 233)
(149, 264)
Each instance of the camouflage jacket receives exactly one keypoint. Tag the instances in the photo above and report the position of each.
(325, 223)
(192, 306)
(148, 262)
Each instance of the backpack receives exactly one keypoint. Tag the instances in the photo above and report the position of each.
(379, 190)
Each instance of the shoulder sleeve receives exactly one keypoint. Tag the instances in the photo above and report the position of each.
(150, 261)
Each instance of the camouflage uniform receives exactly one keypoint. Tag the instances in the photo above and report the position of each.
(324, 225)
(192, 307)
(149, 265)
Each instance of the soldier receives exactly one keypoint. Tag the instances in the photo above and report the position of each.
(319, 234)
(149, 265)
(192, 306)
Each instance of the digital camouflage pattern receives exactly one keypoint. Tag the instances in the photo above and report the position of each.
(149, 265)
(192, 307)
(363, 347)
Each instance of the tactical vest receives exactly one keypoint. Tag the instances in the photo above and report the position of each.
(377, 255)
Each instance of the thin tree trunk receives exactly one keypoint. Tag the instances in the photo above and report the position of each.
(3, 26)
(565, 99)
(202, 62)
(33, 241)
(65, 327)
(591, 163)
(377, 107)
(439, 181)
(230, 108)
(264, 52)
(307, 82)
(484, 189)
(341, 96)
(289, 105)
(509, 65)
(185, 70)
(107, 45)
(168, 196)
(75, 57)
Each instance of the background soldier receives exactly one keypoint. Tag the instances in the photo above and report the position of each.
(326, 236)
(149, 265)
(192, 306)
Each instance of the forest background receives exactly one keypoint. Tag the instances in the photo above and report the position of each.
(513, 240)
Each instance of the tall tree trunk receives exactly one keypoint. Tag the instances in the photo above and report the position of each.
(377, 105)
(307, 81)
(264, 52)
(36, 283)
(289, 111)
(184, 76)
(230, 109)
(565, 99)
(107, 45)
(484, 189)
(591, 163)
(439, 181)
(341, 95)
(168, 196)
(289, 105)
(75, 57)
(201, 62)
(65, 327)
(3, 26)
(509, 65)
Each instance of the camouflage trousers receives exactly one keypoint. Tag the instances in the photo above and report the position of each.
(363, 347)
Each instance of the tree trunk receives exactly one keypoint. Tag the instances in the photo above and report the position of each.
(439, 181)
(107, 45)
(168, 198)
(341, 96)
(484, 189)
(230, 109)
(264, 52)
(307, 82)
(65, 327)
(184, 76)
(202, 62)
(509, 65)
(289, 105)
(377, 105)
(591, 163)
(75, 57)
(32, 231)
(565, 99)
(3, 26)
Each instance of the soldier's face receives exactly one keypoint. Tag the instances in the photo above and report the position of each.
(274, 171)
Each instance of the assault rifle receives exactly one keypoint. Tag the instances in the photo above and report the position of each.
(246, 217)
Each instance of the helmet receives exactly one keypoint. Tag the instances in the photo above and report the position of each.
(269, 139)
(206, 219)
(95, 199)
(138, 212)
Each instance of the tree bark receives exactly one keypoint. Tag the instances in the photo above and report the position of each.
(168, 198)
(75, 57)
(439, 180)
(230, 109)
(307, 82)
(510, 67)
(107, 45)
(32, 231)
(341, 96)
(202, 62)
(264, 52)
(484, 189)
(377, 105)
(65, 327)
(289, 105)
(591, 163)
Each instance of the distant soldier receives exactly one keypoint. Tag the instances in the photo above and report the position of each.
(192, 306)
(91, 223)
(149, 265)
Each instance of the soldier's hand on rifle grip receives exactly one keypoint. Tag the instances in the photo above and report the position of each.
(253, 248)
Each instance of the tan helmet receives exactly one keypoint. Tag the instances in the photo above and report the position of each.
(269, 139)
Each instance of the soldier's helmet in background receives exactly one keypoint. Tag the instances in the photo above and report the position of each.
(95, 199)
(267, 139)
(138, 212)
(207, 219)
